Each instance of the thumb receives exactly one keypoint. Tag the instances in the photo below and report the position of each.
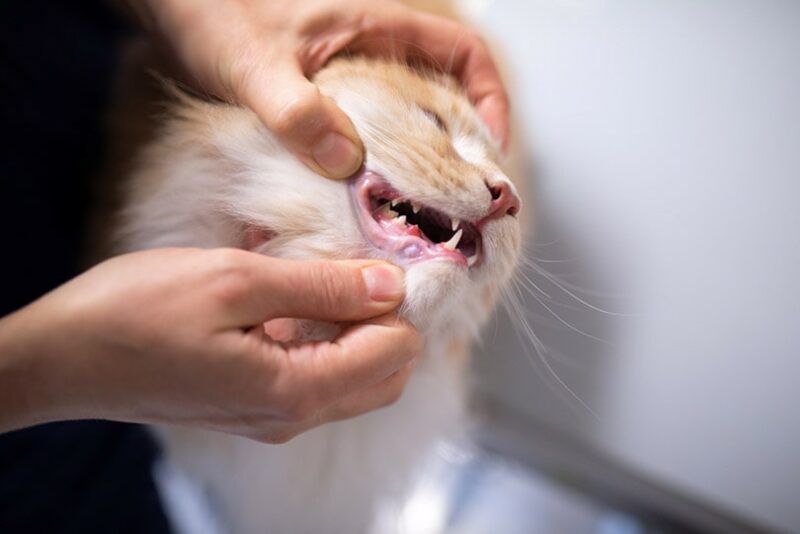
(307, 122)
(323, 290)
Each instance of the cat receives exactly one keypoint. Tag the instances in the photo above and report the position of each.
(431, 197)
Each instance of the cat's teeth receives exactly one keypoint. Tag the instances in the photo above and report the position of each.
(415, 207)
(454, 224)
(453, 243)
(387, 211)
(395, 202)
(474, 258)
(401, 219)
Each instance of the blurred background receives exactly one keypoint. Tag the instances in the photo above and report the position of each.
(664, 138)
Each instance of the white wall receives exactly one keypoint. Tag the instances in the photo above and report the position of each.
(666, 139)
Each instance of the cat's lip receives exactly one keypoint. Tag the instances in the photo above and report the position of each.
(406, 242)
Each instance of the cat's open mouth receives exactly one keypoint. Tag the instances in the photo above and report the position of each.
(410, 230)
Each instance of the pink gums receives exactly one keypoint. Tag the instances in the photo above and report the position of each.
(404, 242)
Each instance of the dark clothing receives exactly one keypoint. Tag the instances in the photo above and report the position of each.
(79, 477)
(57, 60)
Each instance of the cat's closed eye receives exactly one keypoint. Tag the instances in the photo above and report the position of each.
(435, 117)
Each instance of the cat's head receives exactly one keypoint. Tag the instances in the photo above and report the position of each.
(431, 196)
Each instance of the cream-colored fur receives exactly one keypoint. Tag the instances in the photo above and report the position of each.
(215, 171)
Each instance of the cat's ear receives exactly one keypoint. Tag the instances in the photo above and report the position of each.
(255, 237)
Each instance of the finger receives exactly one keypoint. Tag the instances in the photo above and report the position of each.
(361, 356)
(453, 48)
(494, 111)
(261, 288)
(380, 395)
(283, 329)
(307, 122)
(469, 60)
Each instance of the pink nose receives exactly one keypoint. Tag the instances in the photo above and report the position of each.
(504, 201)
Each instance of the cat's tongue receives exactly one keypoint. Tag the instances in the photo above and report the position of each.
(409, 231)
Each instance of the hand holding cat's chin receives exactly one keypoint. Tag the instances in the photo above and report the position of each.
(177, 336)
(259, 54)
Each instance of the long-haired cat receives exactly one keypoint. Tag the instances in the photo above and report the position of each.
(431, 197)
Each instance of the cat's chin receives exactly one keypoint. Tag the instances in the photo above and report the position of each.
(432, 288)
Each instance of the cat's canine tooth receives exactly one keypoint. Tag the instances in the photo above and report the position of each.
(387, 211)
(472, 259)
(394, 202)
(415, 207)
(454, 224)
(453, 243)
(401, 219)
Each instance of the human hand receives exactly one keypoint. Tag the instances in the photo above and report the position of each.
(260, 52)
(177, 336)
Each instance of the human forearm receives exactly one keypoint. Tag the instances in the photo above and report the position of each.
(26, 393)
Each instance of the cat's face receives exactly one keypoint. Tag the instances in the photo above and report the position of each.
(431, 196)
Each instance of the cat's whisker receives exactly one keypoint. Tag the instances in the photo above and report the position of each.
(529, 339)
(521, 273)
(543, 260)
(560, 319)
(565, 287)
(546, 243)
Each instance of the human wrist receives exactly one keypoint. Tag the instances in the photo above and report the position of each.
(19, 406)
(29, 392)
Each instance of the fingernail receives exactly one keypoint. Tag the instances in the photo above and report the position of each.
(337, 155)
(384, 282)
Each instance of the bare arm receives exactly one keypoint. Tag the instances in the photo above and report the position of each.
(176, 336)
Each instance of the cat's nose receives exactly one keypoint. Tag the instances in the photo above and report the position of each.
(504, 200)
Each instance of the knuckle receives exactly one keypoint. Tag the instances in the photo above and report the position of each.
(229, 276)
(395, 393)
(300, 411)
(278, 437)
(300, 115)
(239, 66)
(225, 261)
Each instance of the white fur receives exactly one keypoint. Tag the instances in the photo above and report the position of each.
(470, 149)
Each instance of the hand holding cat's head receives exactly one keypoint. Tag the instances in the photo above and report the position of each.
(431, 196)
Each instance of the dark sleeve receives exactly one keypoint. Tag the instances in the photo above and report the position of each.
(57, 59)
(79, 477)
